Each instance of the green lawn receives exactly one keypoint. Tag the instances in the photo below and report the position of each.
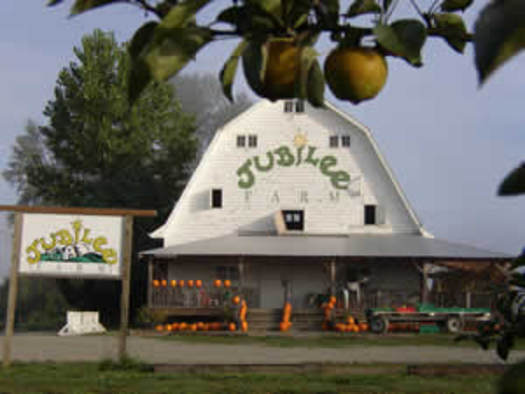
(91, 378)
(333, 340)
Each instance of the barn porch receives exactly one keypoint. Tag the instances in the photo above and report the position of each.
(364, 271)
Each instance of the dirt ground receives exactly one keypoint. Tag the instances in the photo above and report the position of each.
(43, 347)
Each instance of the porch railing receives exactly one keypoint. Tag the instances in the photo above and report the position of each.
(170, 297)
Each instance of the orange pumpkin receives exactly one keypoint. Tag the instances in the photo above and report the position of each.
(205, 326)
(159, 327)
(193, 327)
(363, 327)
(174, 326)
(156, 283)
(198, 283)
(200, 325)
(183, 326)
(173, 283)
(284, 326)
(181, 283)
(227, 283)
(350, 320)
(164, 282)
(167, 327)
(333, 300)
(217, 283)
(190, 283)
(236, 300)
(232, 327)
(244, 326)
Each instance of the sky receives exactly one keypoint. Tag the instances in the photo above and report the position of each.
(449, 142)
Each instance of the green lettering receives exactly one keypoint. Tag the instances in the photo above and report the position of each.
(85, 238)
(64, 237)
(110, 256)
(340, 180)
(299, 155)
(326, 163)
(264, 168)
(310, 158)
(245, 171)
(48, 246)
(286, 158)
(98, 243)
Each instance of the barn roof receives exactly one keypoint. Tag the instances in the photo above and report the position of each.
(353, 245)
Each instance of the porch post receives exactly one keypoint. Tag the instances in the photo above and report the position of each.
(150, 282)
(241, 274)
(424, 278)
(332, 277)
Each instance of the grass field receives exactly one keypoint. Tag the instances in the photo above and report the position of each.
(330, 340)
(107, 377)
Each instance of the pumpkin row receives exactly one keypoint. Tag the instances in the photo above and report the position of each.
(189, 283)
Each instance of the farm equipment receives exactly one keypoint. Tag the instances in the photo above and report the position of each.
(452, 319)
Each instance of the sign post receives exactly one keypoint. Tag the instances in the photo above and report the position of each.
(86, 243)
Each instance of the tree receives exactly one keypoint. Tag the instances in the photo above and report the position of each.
(99, 150)
(201, 95)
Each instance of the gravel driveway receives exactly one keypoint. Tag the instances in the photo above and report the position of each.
(42, 347)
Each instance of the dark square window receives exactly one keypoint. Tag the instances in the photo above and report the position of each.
(294, 220)
(216, 198)
(345, 140)
(252, 141)
(223, 272)
(370, 214)
(334, 141)
(288, 106)
(241, 140)
(299, 106)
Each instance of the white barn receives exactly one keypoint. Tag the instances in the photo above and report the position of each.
(291, 199)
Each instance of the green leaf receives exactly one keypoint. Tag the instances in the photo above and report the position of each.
(360, 7)
(254, 60)
(455, 5)
(230, 15)
(227, 74)
(316, 85)
(139, 78)
(514, 183)
(403, 38)
(142, 37)
(308, 57)
(173, 48)
(328, 12)
(270, 6)
(295, 12)
(86, 5)
(452, 28)
(182, 13)
(51, 3)
(499, 34)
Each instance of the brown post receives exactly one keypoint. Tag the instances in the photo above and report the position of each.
(13, 289)
(126, 274)
(332, 277)
(150, 282)
(424, 279)
(241, 274)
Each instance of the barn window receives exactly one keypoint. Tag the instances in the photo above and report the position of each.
(370, 214)
(345, 141)
(241, 141)
(252, 141)
(294, 220)
(223, 272)
(288, 106)
(334, 141)
(216, 198)
(299, 106)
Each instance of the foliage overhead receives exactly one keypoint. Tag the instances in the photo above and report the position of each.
(160, 49)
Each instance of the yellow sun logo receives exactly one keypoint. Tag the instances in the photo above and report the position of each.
(300, 140)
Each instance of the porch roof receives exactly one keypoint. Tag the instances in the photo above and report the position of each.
(354, 245)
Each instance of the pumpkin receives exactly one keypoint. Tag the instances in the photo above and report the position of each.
(167, 327)
(164, 282)
(173, 283)
(217, 283)
(350, 320)
(193, 327)
(198, 283)
(159, 327)
(236, 300)
(183, 326)
(232, 327)
(355, 328)
(227, 283)
(200, 325)
(244, 326)
(156, 283)
(205, 326)
(284, 326)
(181, 283)
(174, 326)
(190, 283)
(363, 327)
(333, 300)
